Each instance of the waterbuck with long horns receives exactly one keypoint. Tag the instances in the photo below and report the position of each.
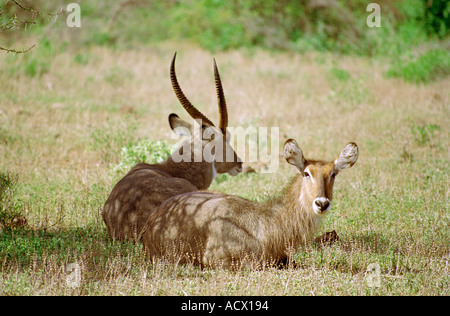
(218, 230)
(146, 186)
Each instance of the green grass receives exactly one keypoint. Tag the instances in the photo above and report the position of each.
(62, 136)
(84, 105)
(432, 65)
(423, 134)
(10, 212)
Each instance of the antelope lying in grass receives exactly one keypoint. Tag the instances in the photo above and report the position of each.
(218, 230)
(146, 186)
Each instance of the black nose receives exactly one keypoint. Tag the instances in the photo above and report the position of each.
(322, 204)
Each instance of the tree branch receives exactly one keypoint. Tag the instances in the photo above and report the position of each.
(37, 12)
(14, 22)
(9, 50)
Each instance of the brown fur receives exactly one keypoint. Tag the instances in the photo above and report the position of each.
(213, 229)
(146, 186)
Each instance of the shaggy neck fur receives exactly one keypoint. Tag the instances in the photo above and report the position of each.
(292, 221)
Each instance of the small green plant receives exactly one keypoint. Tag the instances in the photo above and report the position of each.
(340, 74)
(146, 150)
(101, 39)
(82, 59)
(423, 134)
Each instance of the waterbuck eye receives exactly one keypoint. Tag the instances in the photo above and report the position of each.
(306, 174)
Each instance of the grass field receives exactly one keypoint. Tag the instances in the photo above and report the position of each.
(62, 132)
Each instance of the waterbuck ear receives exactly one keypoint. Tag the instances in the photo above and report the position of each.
(346, 158)
(179, 126)
(294, 155)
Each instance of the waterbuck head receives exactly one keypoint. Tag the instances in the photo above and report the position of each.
(317, 177)
(215, 141)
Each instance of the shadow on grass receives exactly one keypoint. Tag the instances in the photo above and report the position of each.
(22, 249)
(102, 257)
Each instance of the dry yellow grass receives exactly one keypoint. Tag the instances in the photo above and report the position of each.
(62, 131)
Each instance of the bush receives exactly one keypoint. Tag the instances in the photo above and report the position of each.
(287, 24)
(147, 151)
(437, 17)
(335, 25)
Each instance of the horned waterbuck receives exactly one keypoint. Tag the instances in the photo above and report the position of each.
(146, 186)
(218, 230)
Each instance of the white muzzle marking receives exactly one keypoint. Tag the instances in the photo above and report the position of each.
(321, 205)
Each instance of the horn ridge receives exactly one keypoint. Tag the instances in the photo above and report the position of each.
(187, 105)
(223, 123)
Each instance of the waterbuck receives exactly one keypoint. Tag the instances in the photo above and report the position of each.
(146, 186)
(219, 230)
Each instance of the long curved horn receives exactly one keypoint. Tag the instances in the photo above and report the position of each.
(193, 112)
(223, 123)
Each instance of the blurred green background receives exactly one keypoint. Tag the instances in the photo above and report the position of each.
(413, 33)
(85, 104)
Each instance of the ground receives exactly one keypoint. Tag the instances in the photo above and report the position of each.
(62, 132)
